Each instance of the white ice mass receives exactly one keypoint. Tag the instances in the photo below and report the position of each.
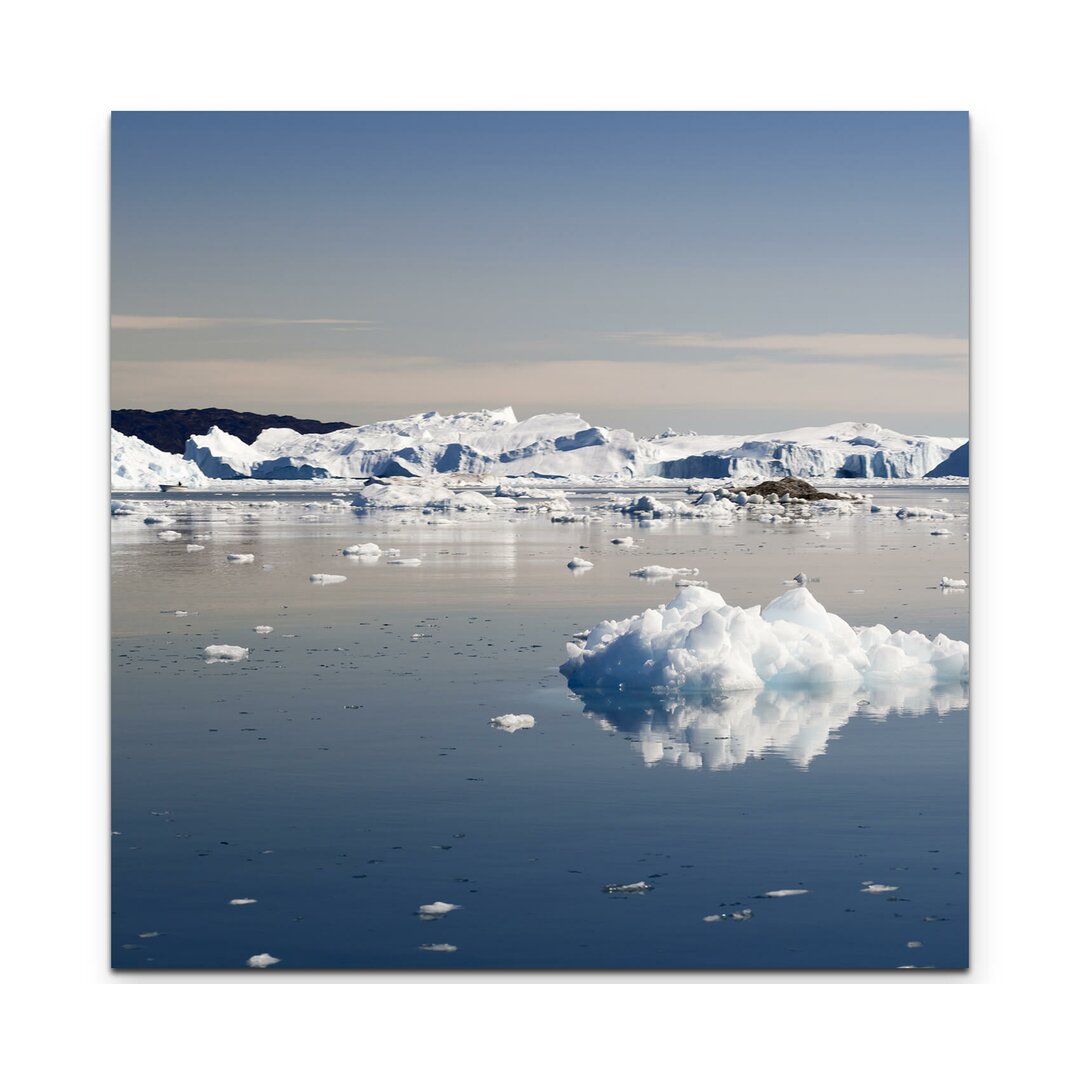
(262, 960)
(225, 654)
(513, 721)
(495, 443)
(327, 579)
(698, 642)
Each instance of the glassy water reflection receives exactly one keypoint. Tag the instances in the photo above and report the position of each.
(722, 731)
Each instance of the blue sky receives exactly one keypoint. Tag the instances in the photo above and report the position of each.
(731, 272)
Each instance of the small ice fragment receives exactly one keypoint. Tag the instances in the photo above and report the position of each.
(742, 916)
(178, 614)
(403, 562)
(158, 520)
(712, 918)
(443, 947)
(939, 532)
(800, 578)
(225, 654)
(151, 933)
(787, 892)
(437, 909)
(327, 579)
(952, 583)
(664, 571)
(243, 900)
(579, 564)
(873, 887)
(233, 557)
(635, 887)
(362, 549)
(169, 534)
(914, 944)
(262, 960)
(624, 541)
(513, 721)
(264, 629)
(196, 547)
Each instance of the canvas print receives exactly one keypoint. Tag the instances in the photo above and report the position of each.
(539, 541)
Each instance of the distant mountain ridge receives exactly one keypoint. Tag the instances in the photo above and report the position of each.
(168, 429)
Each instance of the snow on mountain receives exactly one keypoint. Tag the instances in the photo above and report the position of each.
(138, 466)
(494, 443)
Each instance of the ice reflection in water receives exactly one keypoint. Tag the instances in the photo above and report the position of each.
(722, 731)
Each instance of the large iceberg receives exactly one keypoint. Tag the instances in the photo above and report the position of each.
(493, 443)
(138, 466)
(697, 642)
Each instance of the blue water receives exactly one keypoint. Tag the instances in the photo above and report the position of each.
(347, 774)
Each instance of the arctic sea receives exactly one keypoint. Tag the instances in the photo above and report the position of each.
(346, 772)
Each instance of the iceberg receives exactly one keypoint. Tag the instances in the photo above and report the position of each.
(697, 642)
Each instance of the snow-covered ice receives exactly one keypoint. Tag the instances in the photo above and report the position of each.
(697, 641)
(579, 564)
(664, 571)
(437, 909)
(777, 893)
(241, 901)
(225, 654)
(264, 629)
(239, 557)
(513, 721)
(262, 960)
(169, 534)
(633, 887)
(952, 583)
(327, 579)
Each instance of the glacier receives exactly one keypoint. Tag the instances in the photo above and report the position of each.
(492, 444)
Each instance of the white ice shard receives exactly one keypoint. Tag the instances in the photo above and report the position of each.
(225, 654)
(513, 721)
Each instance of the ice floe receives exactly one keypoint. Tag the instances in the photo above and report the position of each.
(874, 887)
(436, 910)
(404, 562)
(327, 579)
(241, 901)
(262, 960)
(633, 887)
(362, 550)
(663, 571)
(239, 557)
(195, 547)
(513, 721)
(225, 654)
(169, 534)
(441, 947)
(698, 642)
(264, 629)
(777, 893)
(579, 564)
(952, 583)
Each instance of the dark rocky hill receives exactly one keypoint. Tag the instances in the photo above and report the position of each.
(168, 429)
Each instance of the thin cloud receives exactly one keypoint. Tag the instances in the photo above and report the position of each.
(856, 346)
(198, 322)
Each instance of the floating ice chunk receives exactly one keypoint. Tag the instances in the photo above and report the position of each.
(712, 918)
(437, 909)
(634, 887)
(178, 613)
(923, 512)
(952, 583)
(233, 557)
(914, 944)
(225, 654)
(262, 960)
(698, 642)
(169, 534)
(664, 571)
(327, 579)
(800, 578)
(624, 541)
(513, 721)
(155, 520)
(686, 583)
(362, 549)
(443, 947)
(579, 564)
(242, 901)
(777, 893)
(196, 547)
(742, 916)
(420, 496)
(939, 532)
(264, 629)
(404, 562)
(873, 887)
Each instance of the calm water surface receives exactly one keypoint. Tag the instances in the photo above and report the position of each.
(346, 773)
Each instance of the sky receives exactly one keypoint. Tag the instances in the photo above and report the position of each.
(720, 272)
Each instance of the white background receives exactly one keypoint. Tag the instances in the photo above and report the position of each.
(66, 66)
